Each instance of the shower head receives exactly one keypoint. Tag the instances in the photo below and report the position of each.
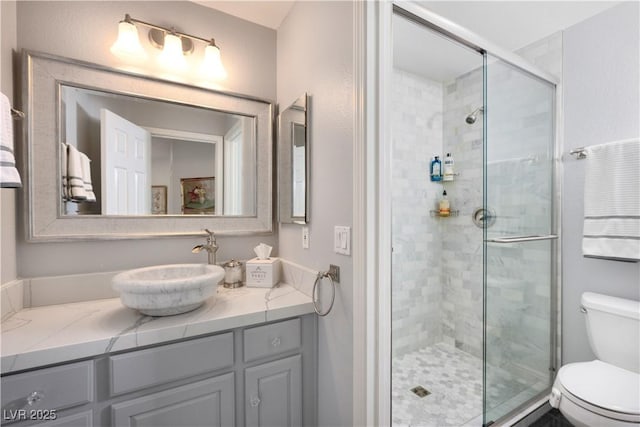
(471, 118)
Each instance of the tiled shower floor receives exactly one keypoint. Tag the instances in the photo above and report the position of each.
(454, 379)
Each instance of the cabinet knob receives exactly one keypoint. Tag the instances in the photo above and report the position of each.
(275, 342)
(34, 397)
(255, 401)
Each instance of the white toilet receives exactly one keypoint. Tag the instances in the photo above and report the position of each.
(604, 392)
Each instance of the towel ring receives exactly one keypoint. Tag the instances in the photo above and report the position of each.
(333, 293)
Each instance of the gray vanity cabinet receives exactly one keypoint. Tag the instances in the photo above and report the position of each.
(273, 388)
(144, 369)
(42, 395)
(261, 375)
(274, 393)
(204, 403)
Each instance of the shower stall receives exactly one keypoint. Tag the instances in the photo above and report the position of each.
(473, 289)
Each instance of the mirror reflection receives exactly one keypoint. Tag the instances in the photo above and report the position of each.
(127, 155)
(293, 165)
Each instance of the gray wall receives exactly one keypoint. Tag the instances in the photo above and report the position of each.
(315, 55)
(8, 36)
(601, 103)
(86, 30)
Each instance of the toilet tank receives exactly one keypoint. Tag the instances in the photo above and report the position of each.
(613, 327)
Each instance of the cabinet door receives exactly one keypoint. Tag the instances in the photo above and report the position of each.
(203, 403)
(273, 393)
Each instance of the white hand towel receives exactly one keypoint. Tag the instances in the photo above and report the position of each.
(86, 177)
(63, 169)
(612, 201)
(9, 176)
(75, 185)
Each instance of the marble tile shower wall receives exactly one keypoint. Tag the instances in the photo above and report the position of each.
(547, 54)
(462, 240)
(438, 262)
(528, 300)
(417, 273)
(514, 182)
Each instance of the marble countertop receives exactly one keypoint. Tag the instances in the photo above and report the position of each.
(40, 336)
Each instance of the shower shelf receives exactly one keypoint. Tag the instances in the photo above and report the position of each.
(451, 213)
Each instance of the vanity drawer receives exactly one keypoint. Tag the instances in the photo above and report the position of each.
(51, 388)
(269, 340)
(158, 365)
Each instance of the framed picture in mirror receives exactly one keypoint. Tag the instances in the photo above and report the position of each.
(158, 199)
(198, 195)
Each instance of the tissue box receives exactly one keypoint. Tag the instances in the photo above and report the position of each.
(263, 273)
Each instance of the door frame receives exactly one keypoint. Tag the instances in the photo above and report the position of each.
(204, 138)
(373, 66)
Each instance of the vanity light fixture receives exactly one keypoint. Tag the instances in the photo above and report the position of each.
(174, 44)
(171, 55)
(128, 44)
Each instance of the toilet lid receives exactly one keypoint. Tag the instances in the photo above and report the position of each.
(603, 385)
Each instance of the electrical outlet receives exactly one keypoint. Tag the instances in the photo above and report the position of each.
(305, 237)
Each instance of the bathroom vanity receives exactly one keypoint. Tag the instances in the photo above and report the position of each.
(247, 357)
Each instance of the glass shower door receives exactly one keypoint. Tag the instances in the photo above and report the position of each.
(519, 237)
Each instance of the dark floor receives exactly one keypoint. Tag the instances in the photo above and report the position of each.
(553, 418)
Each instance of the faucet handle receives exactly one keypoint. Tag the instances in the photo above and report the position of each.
(211, 239)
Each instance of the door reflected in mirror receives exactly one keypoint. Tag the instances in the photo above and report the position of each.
(204, 159)
(293, 163)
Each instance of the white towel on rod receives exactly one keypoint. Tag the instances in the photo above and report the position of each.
(612, 201)
(9, 176)
(86, 177)
(75, 183)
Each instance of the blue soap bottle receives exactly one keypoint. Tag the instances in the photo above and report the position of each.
(436, 169)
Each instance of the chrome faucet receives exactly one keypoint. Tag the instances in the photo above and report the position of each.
(211, 247)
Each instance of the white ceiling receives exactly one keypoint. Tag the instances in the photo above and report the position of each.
(268, 13)
(426, 53)
(509, 24)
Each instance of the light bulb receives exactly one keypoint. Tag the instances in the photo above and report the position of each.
(128, 44)
(212, 63)
(171, 55)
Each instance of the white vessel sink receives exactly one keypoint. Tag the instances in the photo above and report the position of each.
(165, 290)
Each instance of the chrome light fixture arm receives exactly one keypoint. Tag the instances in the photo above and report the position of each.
(174, 45)
(128, 19)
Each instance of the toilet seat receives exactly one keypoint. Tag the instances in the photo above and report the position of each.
(603, 389)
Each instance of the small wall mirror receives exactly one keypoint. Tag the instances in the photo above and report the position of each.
(293, 162)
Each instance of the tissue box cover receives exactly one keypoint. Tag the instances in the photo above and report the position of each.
(263, 273)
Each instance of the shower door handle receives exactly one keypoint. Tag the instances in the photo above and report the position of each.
(518, 239)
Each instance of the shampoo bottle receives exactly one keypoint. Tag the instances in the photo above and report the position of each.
(443, 207)
(447, 170)
(436, 169)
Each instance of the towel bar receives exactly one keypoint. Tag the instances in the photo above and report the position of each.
(518, 239)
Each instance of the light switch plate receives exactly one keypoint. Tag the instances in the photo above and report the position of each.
(342, 240)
